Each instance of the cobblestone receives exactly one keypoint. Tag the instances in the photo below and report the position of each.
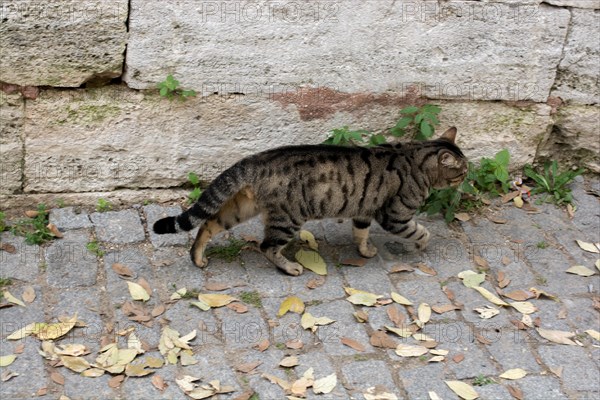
(69, 279)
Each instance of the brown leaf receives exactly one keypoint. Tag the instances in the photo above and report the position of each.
(54, 231)
(116, 381)
(519, 295)
(28, 294)
(482, 339)
(123, 270)
(426, 269)
(557, 371)
(395, 316)
(19, 349)
(353, 343)
(449, 293)
(158, 310)
(444, 308)
(357, 262)
(500, 276)
(518, 324)
(294, 344)
(57, 378)
(562, 313)
(401, 267)
(144, 283)
(159, 382)
(498, 220)
(238, 307)
(505, 260)
(7, 247)
(509, 196)
(42, 391)
(430, 344)
(263, 345)
(463, 217)
(481, 262)
(537, 322)
(458, 358)
(515, 392)
(315, 282)
(596, 302)
(381, 339)
(247, 367)
(504, 283)
(245, 395)
(216, 286)
(31, 213)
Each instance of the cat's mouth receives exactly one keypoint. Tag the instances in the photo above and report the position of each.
(456, 181)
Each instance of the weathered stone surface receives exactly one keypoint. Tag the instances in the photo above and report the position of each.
(68, 218)
(578, 75)
(62, 43)
(154, 212)
(118, 226)
(24, 263)
(580, 372)
(575, 3)
(486, 128)
(362, 375)
(573, 140)
(30, 367)
(12, 109)
(471, 50)
(69, 263)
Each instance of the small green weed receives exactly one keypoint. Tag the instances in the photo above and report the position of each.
(191, 294)
(229, 252)
(196, 192)
(542, 245)
(481, 380)
(94, 248)
(254, 397)
(552, 183)
(418, 122)
(360, 357)
(60, 203)
(5, 282)
(492, 174)
(169, 88)
(541, 280)
(345, 137)
(103, 205)
(35, 230)
(251, 298)
(280, 346)
(2, 222)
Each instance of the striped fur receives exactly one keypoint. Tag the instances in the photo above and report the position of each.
(291, 185)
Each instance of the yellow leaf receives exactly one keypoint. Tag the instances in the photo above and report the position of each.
(406, 350)
(54, 331)
(27, 330)
(138, 292)
(309, 238)
(77, 364)
(312, 260)
(424, 312)
(434, 396)
(540, 292)
(28, 294)
(216, 300)
(402, 332)
(309, 322)
(401, 299)
(364, 299)
(580, 270)
(12, 299)
(137, 370)
(288, 362)
(126, 356)
(597, 264)
(462, 389)
(524, 307)
(178, 294)
(590, 247)
(285, 385)
(293, 304)
(201, 305)
(560, 337)
(439, 352)
(518, 201)
(594, 334)
(471, 279)
(187, 358)
(422, 337)
(325, 385)
(436, 359)
(490, 296)
(516, 373)
(93, 372)
(5, 361)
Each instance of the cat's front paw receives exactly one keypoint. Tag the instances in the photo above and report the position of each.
(292, 268)
(366, 249)
(422, 243)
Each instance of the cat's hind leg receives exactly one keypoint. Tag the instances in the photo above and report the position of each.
(410, 230)
(279, 230)
(239, 208)
(360, 233)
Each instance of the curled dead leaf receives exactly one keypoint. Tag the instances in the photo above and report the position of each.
(353, 344)
(54, 231)
(123, 270)
(426, 269)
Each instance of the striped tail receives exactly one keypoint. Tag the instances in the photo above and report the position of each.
(219, 191)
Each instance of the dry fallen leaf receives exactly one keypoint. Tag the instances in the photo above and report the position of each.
(308, 237)
(518, 201)
(158, 310)
(28, 294)
(515, 392)
(159, 383)
(381, 339)
(116, 381)
(481, 339)
(123, 270)
(395, 315)
(519, 295)
(407, 350)
(325, 385)
(515, 373)
(54, 231)
(458, 358)
(471, 279)
(426, 269)
(7, 375)
(401, 268)
(353, 344)
(498, 220)
(57, 378)
(216, 300)
(216, 286)
(312, 261)
(462, 389)
(248, 367)
(309, 322)
(505, 260)
(294, 344)
(12, 299)
(238, 307)
(594, 334)
(509, 196)
(263, 345)
(357, 262)
(379, 393)
(487, 311)
(557, 371)
(560, 337)
(315, 282)
(524, 307)
(285, 385)
(144, 283)
(288, 362)
(291, 303)
(444, 308)
(5, 361)
(401, 299)
(589, 247)
(9, 248)
(580, 270)
(361, 316)
(424, 313)
(481, 262)
(402, 332)
(490, 296)
(138, 292)
(463, 217)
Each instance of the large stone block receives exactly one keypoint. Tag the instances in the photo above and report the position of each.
(457, 49)
(595, 4)
(578, 74)
(11, 142)
(574, 139)
(114, 137)
(60, 42)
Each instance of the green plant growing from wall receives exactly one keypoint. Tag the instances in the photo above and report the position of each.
(196, 192)
(169, 88)
(418, 122)
(35, 229)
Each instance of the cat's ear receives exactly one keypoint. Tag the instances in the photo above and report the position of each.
(449, 135)
(447, 159)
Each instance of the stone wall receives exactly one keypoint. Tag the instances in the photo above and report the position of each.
(79, 111)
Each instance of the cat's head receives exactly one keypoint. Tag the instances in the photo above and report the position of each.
(452, 165)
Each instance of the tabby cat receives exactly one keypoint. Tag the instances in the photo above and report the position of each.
(290, 185)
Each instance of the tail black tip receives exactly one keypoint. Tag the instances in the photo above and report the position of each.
(165, 225)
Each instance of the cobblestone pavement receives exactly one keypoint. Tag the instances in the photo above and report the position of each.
(531, 249)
